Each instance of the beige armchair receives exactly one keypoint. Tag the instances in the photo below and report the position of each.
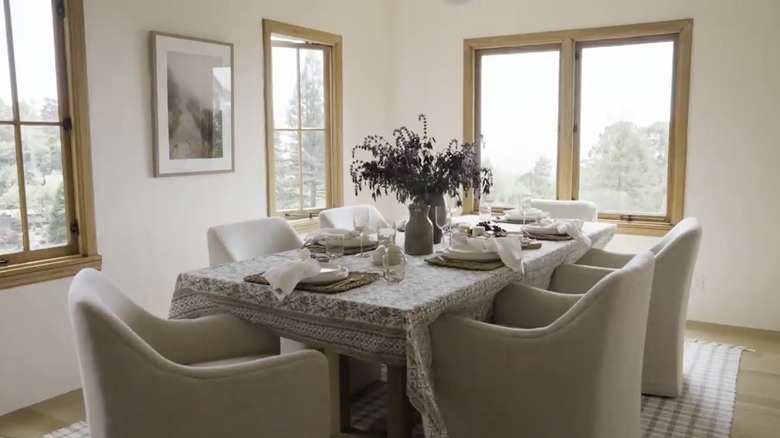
(341, 217)
(210, 377)
(584, 210)
(552, 365)
(675, 257)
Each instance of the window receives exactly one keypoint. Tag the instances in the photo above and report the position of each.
(596, 114)
(46, 214)
(303, 120)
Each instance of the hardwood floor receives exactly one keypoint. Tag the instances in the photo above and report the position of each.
(757, 410)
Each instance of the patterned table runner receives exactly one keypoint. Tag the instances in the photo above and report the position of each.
(381, 321)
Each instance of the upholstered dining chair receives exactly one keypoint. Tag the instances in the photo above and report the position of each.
(341, 217)
(675, 257)
(584, 210)
(214, 376)
(551, 364)
(245, 240)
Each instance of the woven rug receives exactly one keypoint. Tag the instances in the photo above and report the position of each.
(705, 408)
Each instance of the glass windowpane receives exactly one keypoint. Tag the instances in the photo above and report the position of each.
(47, 218)
(6, 100)
(11, 240)
(313, 154)
(36, 67)
(519, 124)
(626, 98)
(312, 89)
(286, 171)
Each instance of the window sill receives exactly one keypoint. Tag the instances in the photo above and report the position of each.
(45, 270)
(640, 228)
(305, 226)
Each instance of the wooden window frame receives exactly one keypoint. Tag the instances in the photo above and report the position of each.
(571, 43)
(331, 44)
(33, 266)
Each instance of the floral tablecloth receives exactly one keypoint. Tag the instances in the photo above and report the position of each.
(382, 321)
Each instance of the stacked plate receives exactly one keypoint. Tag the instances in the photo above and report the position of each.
(329, 273)
(470, 254)
(516, 215)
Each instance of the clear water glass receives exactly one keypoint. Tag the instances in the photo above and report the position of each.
(360, 217)
(394, 266)
(385, 235)
(443, 223)
(525, 205)
(485, 211)
(334, 246)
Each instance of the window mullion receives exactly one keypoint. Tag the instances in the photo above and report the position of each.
(17, 126)
(567, 144)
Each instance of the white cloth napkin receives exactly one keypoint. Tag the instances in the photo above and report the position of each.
(285, 277)
(509, 249)
(572, 227)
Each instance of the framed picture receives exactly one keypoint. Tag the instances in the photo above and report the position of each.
(192, 104)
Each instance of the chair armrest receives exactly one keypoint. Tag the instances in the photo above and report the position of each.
(210, 338)
(523, 306)
(604, 259)
(577, 279)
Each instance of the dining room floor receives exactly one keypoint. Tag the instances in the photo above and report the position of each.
(757, 410)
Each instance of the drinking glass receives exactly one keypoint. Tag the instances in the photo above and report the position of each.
(443, 223)
(334, 246)
(360, 220)
(385, 235)
(394, 267)
(485, 211)
(525, 205)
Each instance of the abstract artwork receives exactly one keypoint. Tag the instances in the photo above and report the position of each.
(193, 105)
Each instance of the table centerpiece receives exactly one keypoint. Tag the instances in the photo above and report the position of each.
(412, 169)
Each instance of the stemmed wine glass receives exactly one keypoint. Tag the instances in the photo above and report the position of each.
(443, 223)
(525, 205)
(360, 220)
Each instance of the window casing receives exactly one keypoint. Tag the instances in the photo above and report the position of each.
(303, 121)
(578, 50)
(47, 222)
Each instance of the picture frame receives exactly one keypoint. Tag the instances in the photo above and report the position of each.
(192, 105)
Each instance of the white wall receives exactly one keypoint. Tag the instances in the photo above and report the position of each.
(733, 141)
(150, 229)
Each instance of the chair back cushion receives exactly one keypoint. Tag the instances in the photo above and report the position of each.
(583, 210)
(342, 217)
(246, 240)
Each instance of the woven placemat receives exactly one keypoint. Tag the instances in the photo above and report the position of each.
(319, 248)
(464, 264)
(353, 280)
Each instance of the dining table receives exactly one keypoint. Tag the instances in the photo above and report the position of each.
(381, 322)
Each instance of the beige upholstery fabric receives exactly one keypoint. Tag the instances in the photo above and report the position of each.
(342, 217)
(583, 210)
(141, 379)
(675, 257)
(573, 369)
(245, 240)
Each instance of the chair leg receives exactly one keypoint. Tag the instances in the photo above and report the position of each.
(339, 393)
(399, 409)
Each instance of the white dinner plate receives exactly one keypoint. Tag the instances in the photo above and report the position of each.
(474, 256)
(329, 273)
(529, 215)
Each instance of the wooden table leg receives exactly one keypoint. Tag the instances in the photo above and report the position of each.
(399, 409)
(339, 393)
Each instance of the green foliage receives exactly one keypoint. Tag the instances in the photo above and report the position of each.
(626, 170)
(57, 229)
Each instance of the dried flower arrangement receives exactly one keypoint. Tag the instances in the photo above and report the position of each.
(410, 168)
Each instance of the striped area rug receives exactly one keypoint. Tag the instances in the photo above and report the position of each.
(705, 408)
